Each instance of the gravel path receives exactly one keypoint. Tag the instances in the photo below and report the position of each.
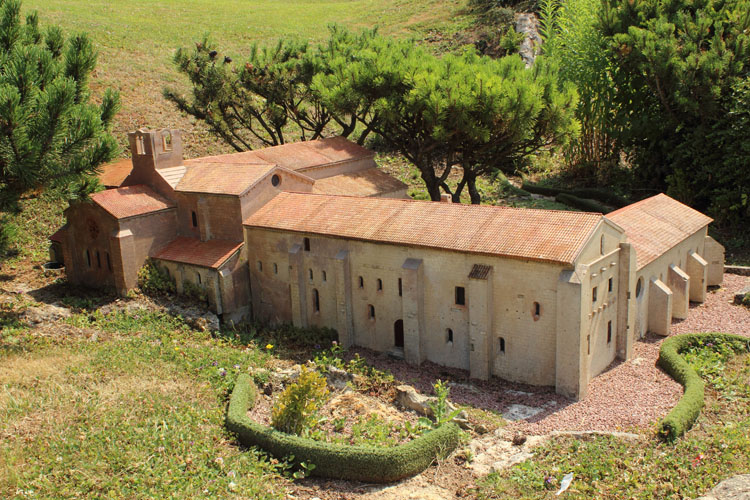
(629, 395)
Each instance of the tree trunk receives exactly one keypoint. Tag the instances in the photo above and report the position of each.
(471, 181)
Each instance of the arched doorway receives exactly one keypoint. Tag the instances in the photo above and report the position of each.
(398, 333)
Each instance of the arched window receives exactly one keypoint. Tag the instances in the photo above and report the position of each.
(371, 311)
(502, 344)
(537, 312)
(310, 274)
(380, 284)
(88, 257)
(361, 282)
(306, 243)
(198, 275)
(166, 140)
(449, 336)
(639, 288)
(316, 300)
(275, 268)
(325, 276)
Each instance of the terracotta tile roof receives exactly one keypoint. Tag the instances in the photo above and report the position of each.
(370, 182)
(218, 178)
(58, 235)
(113, 174)
(656, 224)
(542, 235)
(130, 201)
(172, 175)
(298, 155)
(211, 253)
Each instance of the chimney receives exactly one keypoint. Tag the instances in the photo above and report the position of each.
(446, 198)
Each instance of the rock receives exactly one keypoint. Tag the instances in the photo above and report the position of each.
(740, 296)
(462, 420)
(467, 387)
(45, 313)
(526, 23)
(518, 439)
(520, 412)
(268, 389)
(198, 318)
(734, 488)
(281, 377)
(408, 397)
(338, 378)
(481, 429)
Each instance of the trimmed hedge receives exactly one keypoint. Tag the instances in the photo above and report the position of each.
(597, 194)
(686, 411)
(581, 203)
(357, 463)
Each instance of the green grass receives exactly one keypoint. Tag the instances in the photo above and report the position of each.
(606, 467)
(137, 39)
(138, 416)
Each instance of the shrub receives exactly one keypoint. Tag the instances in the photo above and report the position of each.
(686, 411)
(354, 463)
(153, 279)
(296, 410)
(581, 203)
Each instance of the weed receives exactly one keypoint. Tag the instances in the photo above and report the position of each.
(296, 410)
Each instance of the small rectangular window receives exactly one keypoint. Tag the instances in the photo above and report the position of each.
(380, 284)
(88, 257)
(593, 294)
(588, 344)
(460, 296)
(371, 311)
(275, 268)
(609, 332)
(502, 344)
(361, 282)
(400, 288)
(260, 266)
(610, 284)
(195, 220)
(307, 244)
(98, 260)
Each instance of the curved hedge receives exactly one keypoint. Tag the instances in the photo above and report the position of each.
(581, 203)
(598, 194)
(358, 463)
(686, 411)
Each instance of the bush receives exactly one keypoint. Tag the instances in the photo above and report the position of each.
(354, 463)
(153, 279)
(686, 411)
(295, 412)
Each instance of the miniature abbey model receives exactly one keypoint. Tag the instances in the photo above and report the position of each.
(312, 233)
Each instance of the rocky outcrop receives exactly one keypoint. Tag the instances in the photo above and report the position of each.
(45, 313)
(531, 46)
(734, 488)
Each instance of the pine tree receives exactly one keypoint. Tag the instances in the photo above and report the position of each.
(51, 135)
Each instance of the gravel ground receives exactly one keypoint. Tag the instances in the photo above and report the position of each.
(629, 395)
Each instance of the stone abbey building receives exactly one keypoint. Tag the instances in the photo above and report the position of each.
(312, 233)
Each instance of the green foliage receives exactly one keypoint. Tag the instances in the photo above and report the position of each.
(51, 136)
(682, 96)
(296, 410)
(373, 379)
(671, 359)
(441, 413)
(572, 38)
(358, 463)
(196, 292)
(462, 110)
(154, 280)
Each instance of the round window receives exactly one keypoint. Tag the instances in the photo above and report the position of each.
(639, 288)
(275, 180)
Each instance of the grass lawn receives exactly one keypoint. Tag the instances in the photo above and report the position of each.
(607, 467)
(137, 413)
(137, 40)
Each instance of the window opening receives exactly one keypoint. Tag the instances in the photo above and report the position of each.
(316, 300)
(275, 180)
(199, 278)
(109, 261)
(588, 344)
(371, 311)
(460, 296)
(306, 241)
(260, 266)
(400, 288)
(361, 282)
(609, 332)
(325, 276)
(502, 344)
(449, 335)
(398, 333)
(601, 245)
(380, 284)
(639, 288)
(166, 139)
(140, 145)
(88, 257)
(593, 294)
(537, 310)
(98, 260)
(609, 286)
(195, 220)
(310, 274)
(275, 268)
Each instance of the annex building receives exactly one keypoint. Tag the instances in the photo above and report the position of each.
(312, 233)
